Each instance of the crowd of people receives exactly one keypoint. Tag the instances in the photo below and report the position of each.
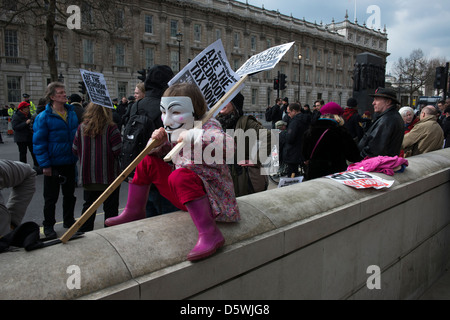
(77, 144)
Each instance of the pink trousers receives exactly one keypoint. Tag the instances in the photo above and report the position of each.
(178, 186)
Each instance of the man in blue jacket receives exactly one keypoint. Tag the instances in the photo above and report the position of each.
(54, 132)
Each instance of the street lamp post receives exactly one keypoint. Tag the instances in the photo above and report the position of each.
(299, 74)
(179, 39)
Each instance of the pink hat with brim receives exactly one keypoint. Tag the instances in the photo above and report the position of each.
(332, 108)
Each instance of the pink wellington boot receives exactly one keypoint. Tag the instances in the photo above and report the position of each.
(135, 208)
(209, 236)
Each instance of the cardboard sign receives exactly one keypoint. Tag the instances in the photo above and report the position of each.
(212, 73)
(265, 60)
(96, 88)
(361, 180)
(285, 182)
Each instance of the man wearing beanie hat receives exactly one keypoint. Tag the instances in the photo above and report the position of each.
(385, 135)
(327, 144)
(246, 170)
(156, 83)
(353, 120)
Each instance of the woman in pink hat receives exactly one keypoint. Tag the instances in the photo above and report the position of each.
(328, 145)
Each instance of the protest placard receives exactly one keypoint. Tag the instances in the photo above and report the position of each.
(96, 88)
(360, 180)
(265, 60)
(212, 73)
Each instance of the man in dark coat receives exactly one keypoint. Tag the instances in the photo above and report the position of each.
(155, 84)
(274, 114)
(385, 135)
(297, 126)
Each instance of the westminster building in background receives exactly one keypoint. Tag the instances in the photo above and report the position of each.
(147, 32)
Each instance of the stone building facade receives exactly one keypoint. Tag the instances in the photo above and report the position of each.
(148, 36)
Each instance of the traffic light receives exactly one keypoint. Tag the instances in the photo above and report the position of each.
(143, 75)
(276, 84)
(282, 81)
(82, 87)
(439, 82)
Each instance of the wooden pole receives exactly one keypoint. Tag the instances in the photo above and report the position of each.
(175, 150)
(86, 215)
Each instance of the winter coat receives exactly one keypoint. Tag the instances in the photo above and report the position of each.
(332, 152)
(256, 181)
(99, 155)
(53, 137)
(274, 114)
(426, 136)
(292, 150)
(446, 128)
(22, 130)
(385, 135)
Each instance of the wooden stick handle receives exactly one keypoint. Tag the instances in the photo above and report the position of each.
(86, 215)
(175, 150)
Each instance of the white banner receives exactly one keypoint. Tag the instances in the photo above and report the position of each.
(360, 180)
(212, 73)
(96, 88)
(265, 60)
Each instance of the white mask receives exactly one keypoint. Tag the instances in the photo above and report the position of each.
(177, 115)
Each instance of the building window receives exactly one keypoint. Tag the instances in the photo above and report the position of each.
(56, 38)
(174, 61)
(11, 44)
(318, 77)
(319, 55)
(148, 24)
(237, 40)
(149, 57)
(218, 34)
(120, 55)
(88, 51)
(197, 32)
(308, 53)
(253, 43)
(122, 89)
(13, 89)
(120, 18)
(173, 28)
(254, 96)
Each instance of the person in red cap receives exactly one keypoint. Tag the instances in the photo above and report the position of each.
(23, 133)
(328, 145)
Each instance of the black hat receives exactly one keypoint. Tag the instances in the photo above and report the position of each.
(352, 103)
(74, 98)
(238, 103)
(158, 77)
(131, 98)
(26, 95)
(386, 93)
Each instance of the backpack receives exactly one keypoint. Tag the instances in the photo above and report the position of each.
(136, 134)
